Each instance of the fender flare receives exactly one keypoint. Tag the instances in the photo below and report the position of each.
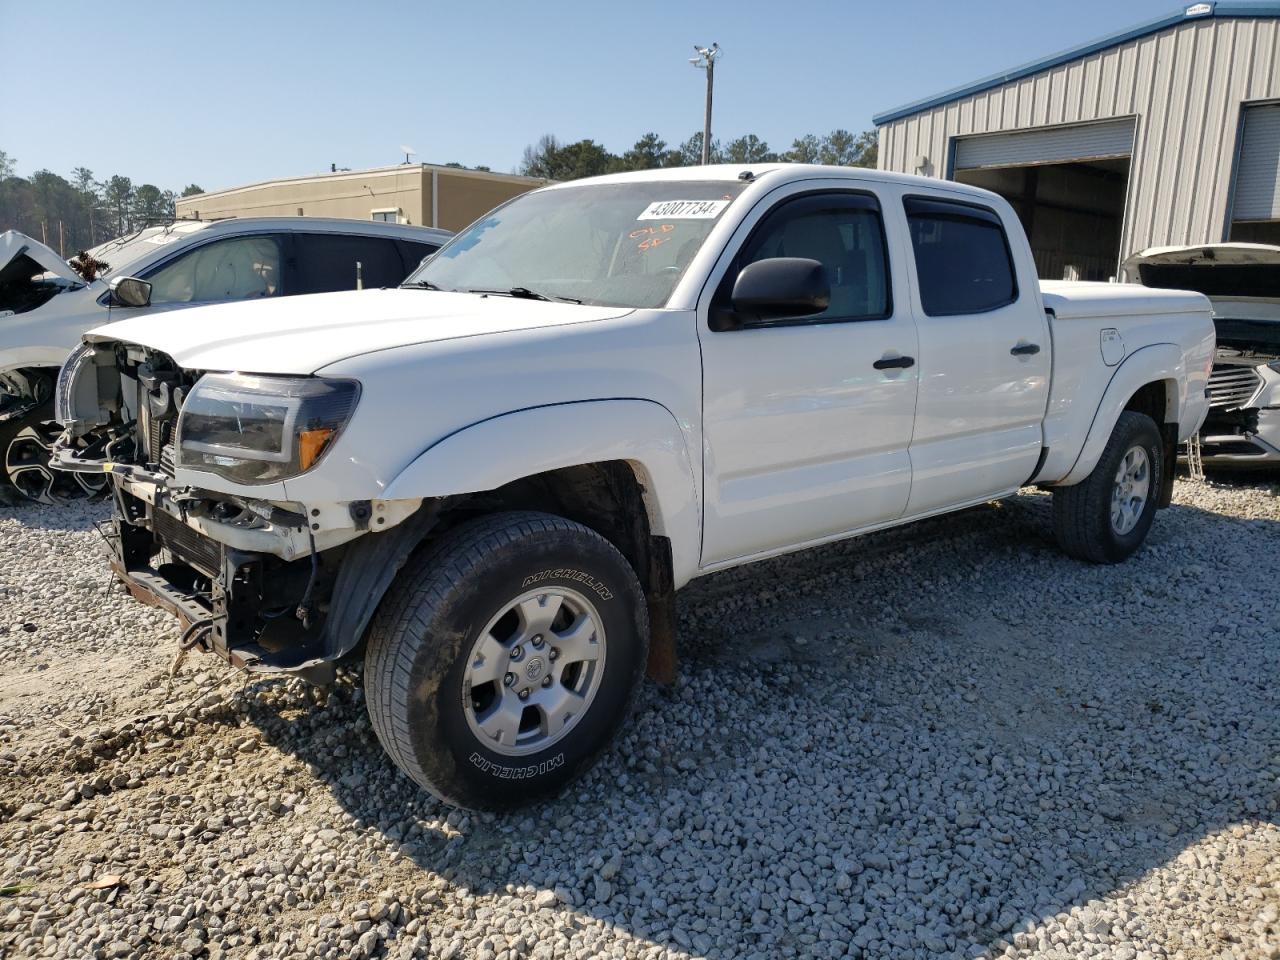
(1160, 362)
(644, 434)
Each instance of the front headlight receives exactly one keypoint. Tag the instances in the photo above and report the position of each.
(261, 429)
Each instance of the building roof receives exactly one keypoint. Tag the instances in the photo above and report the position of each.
(390, 170)
(1196, 11)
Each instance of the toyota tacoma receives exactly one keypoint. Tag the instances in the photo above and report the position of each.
(492, 480)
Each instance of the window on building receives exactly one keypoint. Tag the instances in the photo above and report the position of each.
(963, 261)
(391, 215)
(237, 268)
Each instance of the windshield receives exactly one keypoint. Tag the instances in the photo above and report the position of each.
(119, 254)
(608, 244)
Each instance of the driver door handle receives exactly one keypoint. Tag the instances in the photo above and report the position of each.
(1025, 349)
(894, 363)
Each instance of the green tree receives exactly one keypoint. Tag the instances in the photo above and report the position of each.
(191, 189)
(117, 194)
(648, 153)
(749, 149)
(806, 149)
(691, 151)
(7, 164)
(845, 149)
(149, 205)
(550, 159)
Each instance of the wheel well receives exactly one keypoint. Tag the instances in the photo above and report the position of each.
(1152, 400)
(1158, 401)
(609, 498)
(21, 388)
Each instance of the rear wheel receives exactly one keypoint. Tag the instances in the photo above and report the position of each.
(26, 445)
(504, 658)
(1106, 517)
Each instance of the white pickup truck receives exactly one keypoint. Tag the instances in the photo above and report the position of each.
(493, 479)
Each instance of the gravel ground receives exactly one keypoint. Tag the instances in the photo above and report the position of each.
(947, 741)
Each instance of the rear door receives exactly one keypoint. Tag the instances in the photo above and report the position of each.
(327, 262)
(807, 421)
(984, 355)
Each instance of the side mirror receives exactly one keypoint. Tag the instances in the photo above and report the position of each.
(130, 292)
(776, 289)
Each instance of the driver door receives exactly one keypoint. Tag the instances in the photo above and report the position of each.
(807, 422)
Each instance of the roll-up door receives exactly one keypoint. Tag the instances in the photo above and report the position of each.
(1258, 174)
(1085, 141)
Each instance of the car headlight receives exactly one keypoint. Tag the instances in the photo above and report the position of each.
(261, 429)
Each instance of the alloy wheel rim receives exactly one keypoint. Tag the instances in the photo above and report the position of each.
(534, 671)
(26, 464)
(1130, 491)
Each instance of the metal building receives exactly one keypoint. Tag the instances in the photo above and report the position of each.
(420, 193)
(1167, 133)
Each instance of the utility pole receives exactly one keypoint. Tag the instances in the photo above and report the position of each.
(706, 60)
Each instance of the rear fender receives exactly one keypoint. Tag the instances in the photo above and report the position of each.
(644, 434)
(1158, 363)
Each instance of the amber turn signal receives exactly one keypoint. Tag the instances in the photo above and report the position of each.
(311, 444)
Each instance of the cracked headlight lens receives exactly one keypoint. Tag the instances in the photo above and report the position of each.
(253, 429)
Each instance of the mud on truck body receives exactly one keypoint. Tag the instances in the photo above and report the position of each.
(494, 479)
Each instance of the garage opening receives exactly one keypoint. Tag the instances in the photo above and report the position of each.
(1068, 186)
(1255, 211)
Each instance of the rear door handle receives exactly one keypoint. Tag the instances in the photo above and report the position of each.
(1025, 349)
(894, 363)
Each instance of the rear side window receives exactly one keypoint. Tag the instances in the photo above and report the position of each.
(413, 253)
(326, 262)
(963, 260)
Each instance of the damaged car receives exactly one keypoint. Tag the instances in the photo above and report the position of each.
(47, 302)
(491, 481)
(1242, 282)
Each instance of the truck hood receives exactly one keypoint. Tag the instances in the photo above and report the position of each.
(21, 254)
(302, 334)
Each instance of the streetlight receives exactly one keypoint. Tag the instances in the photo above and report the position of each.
(706, 60)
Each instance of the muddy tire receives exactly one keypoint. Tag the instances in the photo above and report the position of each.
(505, 657)
(1106, 517)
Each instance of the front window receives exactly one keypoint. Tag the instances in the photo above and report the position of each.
(615, 244)
(238, 268)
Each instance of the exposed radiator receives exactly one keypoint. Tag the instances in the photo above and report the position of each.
(186, 544)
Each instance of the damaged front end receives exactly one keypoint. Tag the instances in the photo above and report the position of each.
(253, 578)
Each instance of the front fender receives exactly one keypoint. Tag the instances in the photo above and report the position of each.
(494, 452)
(1160, 362)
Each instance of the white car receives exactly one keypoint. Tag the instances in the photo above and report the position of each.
(496, 477)
(1242, 282)
(46, 304)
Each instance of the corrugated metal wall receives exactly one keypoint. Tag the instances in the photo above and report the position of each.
(1184, 85)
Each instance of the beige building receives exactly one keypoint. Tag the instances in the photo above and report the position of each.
(417, 193)
(1164, 134)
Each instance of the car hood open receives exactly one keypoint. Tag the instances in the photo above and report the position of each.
(1218, 270)
(21, 254)
(302, 334)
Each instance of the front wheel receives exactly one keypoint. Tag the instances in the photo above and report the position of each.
(1106, 517)
(26, 445)
(505, 657)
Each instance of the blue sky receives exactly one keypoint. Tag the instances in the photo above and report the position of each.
(230, 92)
